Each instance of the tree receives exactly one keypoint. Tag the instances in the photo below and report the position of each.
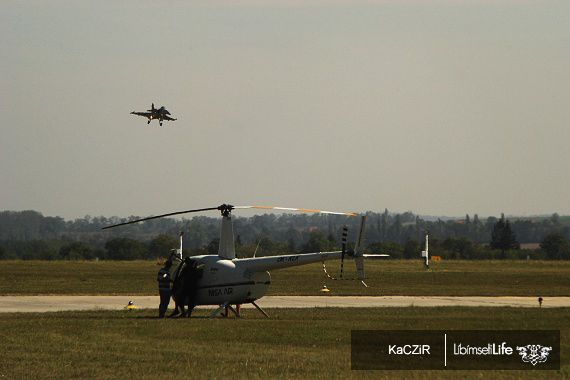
(384, 227)
(477, 226)
(395, 231)
(75, 251)
(125, 249)
(555, 218)
(392, 249)
(195, 232)
(291, 245)
(213, 247)
(318, 242)
(556, 247)
(503, 237)
(458, 248)
(411, 249)
(161, 245)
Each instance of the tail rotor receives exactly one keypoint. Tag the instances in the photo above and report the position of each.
(357, 254)
(359, 251)
(344, 239)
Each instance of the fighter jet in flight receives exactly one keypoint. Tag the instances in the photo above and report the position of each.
(154, 113)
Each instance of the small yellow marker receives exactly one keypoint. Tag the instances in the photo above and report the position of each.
(325, 289)
(130, 306)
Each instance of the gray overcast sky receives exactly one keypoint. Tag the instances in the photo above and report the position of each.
(438, 107)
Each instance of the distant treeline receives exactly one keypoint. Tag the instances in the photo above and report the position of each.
(30, 235)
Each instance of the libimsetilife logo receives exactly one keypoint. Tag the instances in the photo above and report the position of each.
(455, 350)
(534, 353)
(489, 349)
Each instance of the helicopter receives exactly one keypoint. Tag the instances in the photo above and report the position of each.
(223, 279)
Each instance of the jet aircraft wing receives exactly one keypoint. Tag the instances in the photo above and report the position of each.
(168, 118)
(145, 114)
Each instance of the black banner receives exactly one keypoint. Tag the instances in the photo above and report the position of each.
(455, 349)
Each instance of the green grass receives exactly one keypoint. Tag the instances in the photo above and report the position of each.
(79, 277)
(446, 278)
(293, 343)
(308, 343)
(390, 277)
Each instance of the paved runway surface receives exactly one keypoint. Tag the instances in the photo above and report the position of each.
(9, 304)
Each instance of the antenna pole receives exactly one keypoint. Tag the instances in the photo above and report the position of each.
(180, 253)
(427, 249)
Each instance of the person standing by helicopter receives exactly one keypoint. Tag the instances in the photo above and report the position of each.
(164, 288)
(185, 287)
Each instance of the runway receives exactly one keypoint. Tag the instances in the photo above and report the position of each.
(40, 304)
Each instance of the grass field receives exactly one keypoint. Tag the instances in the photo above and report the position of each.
(390, 277)
(293, 343)
(309, 344)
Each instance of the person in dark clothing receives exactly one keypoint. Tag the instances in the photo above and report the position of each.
(185, 286)
(163, 279)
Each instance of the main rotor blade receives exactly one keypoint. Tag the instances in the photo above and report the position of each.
(227, 209)
(161, 216)
(296, 209)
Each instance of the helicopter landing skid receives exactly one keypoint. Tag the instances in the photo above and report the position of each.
(222, 307)
(259, 308)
